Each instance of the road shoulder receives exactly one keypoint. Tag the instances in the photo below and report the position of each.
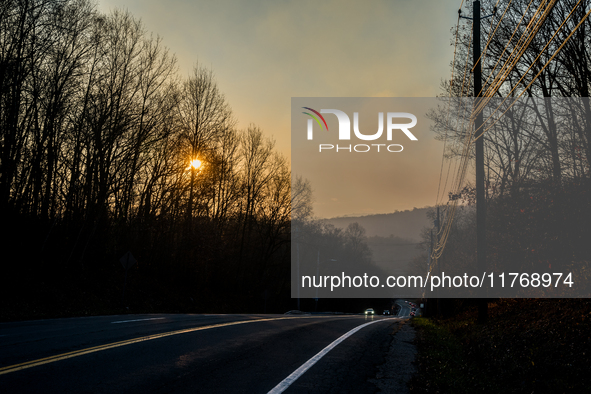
(393, 376)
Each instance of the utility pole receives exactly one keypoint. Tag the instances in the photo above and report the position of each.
(480, 195)
(480, 202)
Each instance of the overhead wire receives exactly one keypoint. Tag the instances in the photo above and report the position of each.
(462, 107)
(460, 175)
(461, 102)
(507, 44)
(518, 52)
(448, 111)
(532, 64)
(483, 54)
(490, 35)
(442, 234)
(522, 44)
(433, 261)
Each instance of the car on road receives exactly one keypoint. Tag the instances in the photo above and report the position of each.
(369, 311)
(386, 312)
(296, 312)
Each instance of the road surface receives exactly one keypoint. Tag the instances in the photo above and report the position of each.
(193, 354)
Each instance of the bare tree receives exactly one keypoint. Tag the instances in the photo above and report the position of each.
(301, 199)
(204, 114)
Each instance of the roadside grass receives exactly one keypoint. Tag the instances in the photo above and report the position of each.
(443, 364)
(527, 346)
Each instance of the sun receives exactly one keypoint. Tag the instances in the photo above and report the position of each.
(195, 164)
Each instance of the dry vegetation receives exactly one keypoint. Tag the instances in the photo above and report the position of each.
(528, 346)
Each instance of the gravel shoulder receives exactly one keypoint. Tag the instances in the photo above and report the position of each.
(393, 376)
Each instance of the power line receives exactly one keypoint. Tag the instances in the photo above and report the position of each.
(519, 50)
(542, 69)
(448, 104)
(522, 44)
(507, 44)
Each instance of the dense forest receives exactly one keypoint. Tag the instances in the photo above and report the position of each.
(98, 131)
(126, 187)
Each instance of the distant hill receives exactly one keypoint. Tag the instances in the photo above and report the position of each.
(403, 224)
(393, 237)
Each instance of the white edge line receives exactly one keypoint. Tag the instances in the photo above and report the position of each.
(76, 353)
(285, 383)
(129, 321)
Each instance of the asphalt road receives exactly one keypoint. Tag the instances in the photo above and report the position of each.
(191, 354)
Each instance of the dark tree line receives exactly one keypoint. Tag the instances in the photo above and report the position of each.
(320, 249)
(537, 148)
(97, 134)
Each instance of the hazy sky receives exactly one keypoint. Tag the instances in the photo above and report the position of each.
(263, 53)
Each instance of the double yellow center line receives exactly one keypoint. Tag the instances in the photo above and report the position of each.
(76, 353)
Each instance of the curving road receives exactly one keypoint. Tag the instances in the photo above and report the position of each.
(193, 354)
(405, 308)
